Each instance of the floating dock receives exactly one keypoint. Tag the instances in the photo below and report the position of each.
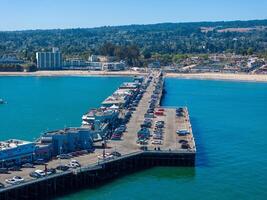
(175, 149)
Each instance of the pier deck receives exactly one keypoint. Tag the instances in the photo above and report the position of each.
(128, 145)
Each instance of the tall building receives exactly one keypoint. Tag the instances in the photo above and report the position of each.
(49, 60)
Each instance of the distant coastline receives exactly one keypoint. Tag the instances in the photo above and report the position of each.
(204, 76)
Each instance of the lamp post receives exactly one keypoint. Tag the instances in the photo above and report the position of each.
(60, 150)
(3, 163)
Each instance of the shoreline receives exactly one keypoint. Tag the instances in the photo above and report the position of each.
(72, 73)
(198, 76)
(221, 76)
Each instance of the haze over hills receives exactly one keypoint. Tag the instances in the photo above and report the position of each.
(240, 37)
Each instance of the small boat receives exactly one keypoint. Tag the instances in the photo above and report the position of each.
(2, 101)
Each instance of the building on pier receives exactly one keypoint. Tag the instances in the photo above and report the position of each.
(119, 98)
(122, 96)
(68, 140)
(100, 120)
(16, 152)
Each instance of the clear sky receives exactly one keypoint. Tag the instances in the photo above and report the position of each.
(48, 14)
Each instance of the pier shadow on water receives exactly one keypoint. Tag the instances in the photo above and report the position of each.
(126, 181)
(168, 172)
(202, 159)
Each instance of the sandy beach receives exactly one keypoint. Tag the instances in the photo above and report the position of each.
(221, 76)
(72, 73)
(204, 76)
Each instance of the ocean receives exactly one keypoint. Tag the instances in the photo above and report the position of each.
(228, 119)
(37, 104)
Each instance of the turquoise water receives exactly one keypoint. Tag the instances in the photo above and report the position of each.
(229, 122)
(37, 104)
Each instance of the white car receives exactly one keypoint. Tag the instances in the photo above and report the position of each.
(75, 162)
(156, 142)
(42, 172)
(15, 180)
(108, 156)
(157, 137)
(73, 165)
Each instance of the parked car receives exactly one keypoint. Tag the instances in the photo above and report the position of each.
(73, 165)
(66, 156)
(38, 173)
(149, 115)
(116, 137)
(35, 175)
(143, 142)
(91, 150)
(182, 132)
(123, 128)
(14, 168)
(159, 125)
(51, 171)
(62, 167)
(115, 153)
(39, 162)
(15, 180)
(76, 162)
(71, 154)
(157, 137)
(143, 133)
(28, 165)
(3, 170)
(107, 156)
(158, 142)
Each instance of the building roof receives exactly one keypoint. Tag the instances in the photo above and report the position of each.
(65, 131)
(12, 143)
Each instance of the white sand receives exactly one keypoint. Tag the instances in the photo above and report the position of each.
(71, 73)
(221, 76)
(208, 76)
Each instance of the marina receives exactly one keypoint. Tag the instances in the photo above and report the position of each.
(129, 132)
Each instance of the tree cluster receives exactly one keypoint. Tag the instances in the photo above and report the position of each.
(133, 41)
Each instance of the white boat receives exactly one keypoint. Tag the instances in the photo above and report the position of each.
(85, 123)
(84, 117)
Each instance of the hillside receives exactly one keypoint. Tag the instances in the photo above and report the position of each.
(166, 38)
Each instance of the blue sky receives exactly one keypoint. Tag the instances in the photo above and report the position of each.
(48, 14)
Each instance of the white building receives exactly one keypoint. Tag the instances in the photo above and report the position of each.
(49, 60)
(94, 65)
(99, 58)
(16, 152)
(113, 66)
(75, 63)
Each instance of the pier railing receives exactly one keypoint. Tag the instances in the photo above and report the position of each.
(99, 165)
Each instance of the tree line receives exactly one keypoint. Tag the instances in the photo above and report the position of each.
(140, 43)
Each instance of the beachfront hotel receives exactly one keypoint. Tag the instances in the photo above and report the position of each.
(49, 60)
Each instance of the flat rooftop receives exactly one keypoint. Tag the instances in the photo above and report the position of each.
(64, 131)
(130, 85)
(100, 112)
(12, 143)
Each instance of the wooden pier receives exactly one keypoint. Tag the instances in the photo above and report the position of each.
(94, 171)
